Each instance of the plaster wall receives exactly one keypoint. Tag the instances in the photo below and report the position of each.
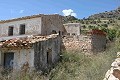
(21, 56)
(32, 26)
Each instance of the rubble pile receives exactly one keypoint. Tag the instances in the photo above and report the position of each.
(114, 72)
(25, 42)
(76, 44)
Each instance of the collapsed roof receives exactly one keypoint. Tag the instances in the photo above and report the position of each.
(25, 41)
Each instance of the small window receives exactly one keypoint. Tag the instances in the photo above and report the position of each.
(61, 32)
(22, 29)
(54, 32)
(73, 34)
(68, 34)
(10, 31)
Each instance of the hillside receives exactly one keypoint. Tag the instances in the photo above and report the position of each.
(107, 14)
(110, 19)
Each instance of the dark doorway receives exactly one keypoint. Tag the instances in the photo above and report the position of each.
(22, 29)
(8, 60)
(49, 56)
(10, 31)
(59, 32)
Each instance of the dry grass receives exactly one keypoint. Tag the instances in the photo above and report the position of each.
(77, 66)
(74, 66)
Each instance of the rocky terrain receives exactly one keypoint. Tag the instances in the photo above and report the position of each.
(107, 14)
(114, 72)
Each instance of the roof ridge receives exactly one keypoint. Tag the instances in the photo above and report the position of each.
(26, 17)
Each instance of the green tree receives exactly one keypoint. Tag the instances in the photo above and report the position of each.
(118, 34)
(84, 26)
(119, 18)
(104, 25)
(111, 34)
(104, 29)
(91, 27)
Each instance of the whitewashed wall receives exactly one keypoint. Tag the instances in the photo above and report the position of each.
(20, 57)
(32, 26)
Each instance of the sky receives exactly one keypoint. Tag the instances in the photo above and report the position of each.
(79, 8)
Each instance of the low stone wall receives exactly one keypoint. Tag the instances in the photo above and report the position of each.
(114, 72)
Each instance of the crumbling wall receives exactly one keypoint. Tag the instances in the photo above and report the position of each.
(32, 26)
(98, 42)
(79, 43)
(88, 44)
(40, 53)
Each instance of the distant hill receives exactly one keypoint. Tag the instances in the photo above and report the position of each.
(69, 18)
(107, 14)
(107, 19)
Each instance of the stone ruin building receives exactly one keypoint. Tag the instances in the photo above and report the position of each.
(73, 29)
(32, 41)
(36, 52)
(98, 40)
(32, 25)
(94, 41)
(36, 41)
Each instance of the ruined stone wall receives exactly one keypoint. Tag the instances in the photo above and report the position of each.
(79, 43)
(98, 42)
(50, 23)
(88, 44)
(32, 26)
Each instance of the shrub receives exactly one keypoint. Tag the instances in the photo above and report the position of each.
(111, 34)
(104, 25)
(77, 66)
(119, 18)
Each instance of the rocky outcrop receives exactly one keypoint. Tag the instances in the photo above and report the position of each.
(114, 72)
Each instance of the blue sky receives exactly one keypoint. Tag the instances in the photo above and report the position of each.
(78, 8)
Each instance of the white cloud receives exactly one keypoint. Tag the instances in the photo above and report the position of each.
(21, 11)
(74, 14)
(67, 12)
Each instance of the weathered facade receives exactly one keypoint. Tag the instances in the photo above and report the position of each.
(32, 41)
(32, 25)
(38, 52)
(73, 29)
